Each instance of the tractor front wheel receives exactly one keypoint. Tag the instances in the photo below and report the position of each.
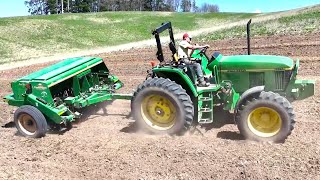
(30, 122)
(161, 106)
(268, 118)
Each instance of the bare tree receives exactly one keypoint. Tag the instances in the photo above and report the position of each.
(185, 5)
(209, 8)
(176, 5)
(68, 6)
(77, 6)
(37, 7)
(194, 7)
(62, 6)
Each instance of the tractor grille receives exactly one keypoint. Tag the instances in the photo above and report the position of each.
(282, 78)
(256, 79)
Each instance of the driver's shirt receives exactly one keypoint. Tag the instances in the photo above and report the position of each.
(183, 50)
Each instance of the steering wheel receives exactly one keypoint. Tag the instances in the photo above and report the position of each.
(203, 50)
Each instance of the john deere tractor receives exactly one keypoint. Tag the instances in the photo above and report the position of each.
(256, 89)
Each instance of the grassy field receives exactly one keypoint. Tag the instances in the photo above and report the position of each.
(23, 38)
(306, 22)
(32, 37)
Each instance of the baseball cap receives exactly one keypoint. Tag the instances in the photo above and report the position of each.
(185, 35)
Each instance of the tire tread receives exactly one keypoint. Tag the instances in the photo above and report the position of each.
(173, 88)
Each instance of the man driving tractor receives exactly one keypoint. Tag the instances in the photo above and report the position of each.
(185, 51)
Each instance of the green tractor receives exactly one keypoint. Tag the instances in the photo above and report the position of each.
(256, 89)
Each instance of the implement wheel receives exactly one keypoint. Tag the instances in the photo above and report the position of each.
(161, 106)
(268, 118)
(30, 122)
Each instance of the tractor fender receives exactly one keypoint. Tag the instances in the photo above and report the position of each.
(248, 93)
(178, 76)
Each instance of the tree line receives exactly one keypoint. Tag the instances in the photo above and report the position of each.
(44, 7)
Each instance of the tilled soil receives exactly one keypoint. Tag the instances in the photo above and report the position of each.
(106, 145)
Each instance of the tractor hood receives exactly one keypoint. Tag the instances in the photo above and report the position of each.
(255, 62)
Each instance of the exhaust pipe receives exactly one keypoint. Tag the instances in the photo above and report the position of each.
(248, 36)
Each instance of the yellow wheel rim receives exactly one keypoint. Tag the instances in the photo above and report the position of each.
(158, 112)
(264, 122)
(27, 124)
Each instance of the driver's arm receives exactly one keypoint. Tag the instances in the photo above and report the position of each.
(187, 45)
(194, 47)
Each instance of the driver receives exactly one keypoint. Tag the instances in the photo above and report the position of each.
(185, 51)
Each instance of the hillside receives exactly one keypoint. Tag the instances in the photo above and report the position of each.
(34, 39)
(22, 38)
(302, 21)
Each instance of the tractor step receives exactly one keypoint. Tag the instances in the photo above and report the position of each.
(205, 110)
(205, 99)
(205, 106)
(205, 121)
(208, 88)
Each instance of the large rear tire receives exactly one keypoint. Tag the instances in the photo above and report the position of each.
(30, 122)
(161, 106)
(268, 118)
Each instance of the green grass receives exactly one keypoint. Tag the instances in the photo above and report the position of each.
(23, 38)
(302, 23)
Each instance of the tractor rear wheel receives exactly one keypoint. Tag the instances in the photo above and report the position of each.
(30, 122)
(161, 106)
(268, 118)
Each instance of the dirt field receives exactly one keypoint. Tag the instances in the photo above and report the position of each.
(106, 146)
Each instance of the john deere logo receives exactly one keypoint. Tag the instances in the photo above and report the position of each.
(44, 94)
